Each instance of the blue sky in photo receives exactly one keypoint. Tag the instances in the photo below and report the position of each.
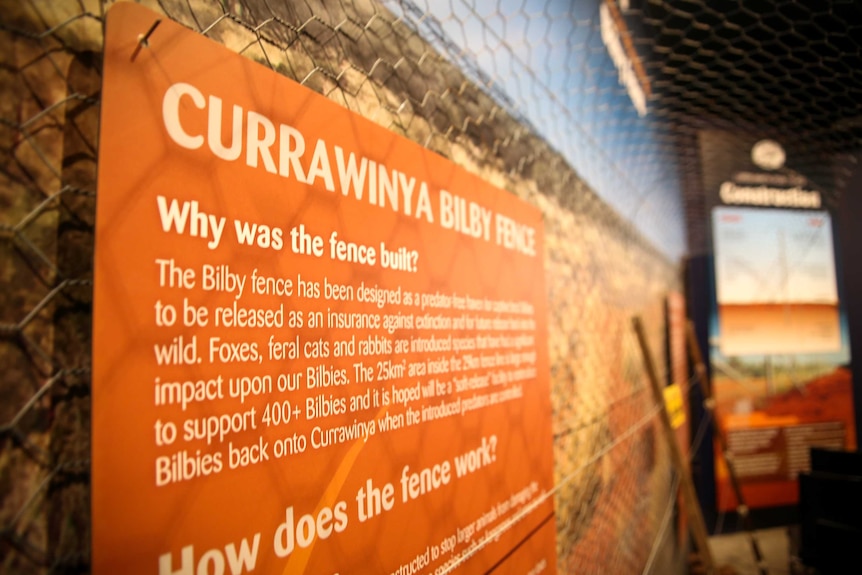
(545, 62)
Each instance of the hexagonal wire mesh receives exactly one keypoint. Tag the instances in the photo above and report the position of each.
(522, 93)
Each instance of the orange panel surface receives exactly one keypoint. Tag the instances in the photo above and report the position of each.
(318, 347)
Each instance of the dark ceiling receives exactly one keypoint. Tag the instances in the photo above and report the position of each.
(789, 68)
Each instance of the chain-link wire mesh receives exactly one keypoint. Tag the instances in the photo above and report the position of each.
(522, 93)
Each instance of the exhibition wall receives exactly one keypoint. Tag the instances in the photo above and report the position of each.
(388, 329)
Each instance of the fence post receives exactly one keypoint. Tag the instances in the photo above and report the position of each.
(709, 406)
(692, 507)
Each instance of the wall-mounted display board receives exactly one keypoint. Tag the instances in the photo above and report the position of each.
(779, 351)
(318, 347)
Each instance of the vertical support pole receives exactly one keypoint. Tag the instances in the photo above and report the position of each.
(692, 507)
(709, 406)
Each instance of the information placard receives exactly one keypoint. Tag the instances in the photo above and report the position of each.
(778, 344)
(318, 347)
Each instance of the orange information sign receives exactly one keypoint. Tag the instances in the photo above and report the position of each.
(318, 347)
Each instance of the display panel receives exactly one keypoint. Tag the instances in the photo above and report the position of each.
(316, 344)
(779, 357)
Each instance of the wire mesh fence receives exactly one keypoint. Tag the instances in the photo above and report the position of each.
(523, 94)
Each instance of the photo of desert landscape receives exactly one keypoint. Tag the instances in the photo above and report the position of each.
(772, 411)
